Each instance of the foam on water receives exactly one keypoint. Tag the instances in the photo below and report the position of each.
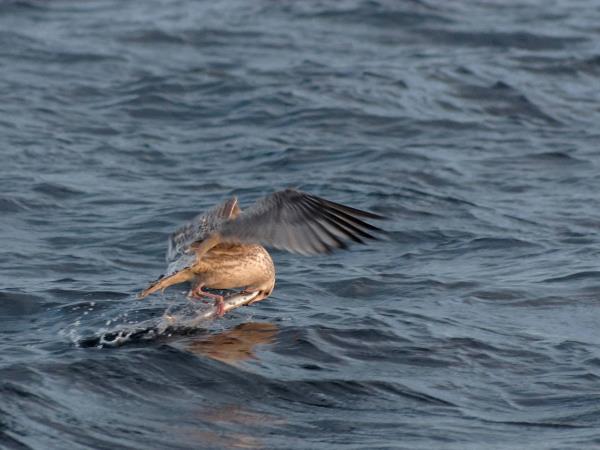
(177, 319)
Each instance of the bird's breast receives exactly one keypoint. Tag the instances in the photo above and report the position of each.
(230, 266)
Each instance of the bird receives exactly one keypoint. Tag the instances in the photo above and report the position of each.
(224, 248)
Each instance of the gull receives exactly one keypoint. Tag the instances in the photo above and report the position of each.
(223, 247)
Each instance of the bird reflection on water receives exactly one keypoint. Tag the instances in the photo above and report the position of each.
(231, 425)
(235, 345)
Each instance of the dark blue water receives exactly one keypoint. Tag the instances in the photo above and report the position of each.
(472, 125)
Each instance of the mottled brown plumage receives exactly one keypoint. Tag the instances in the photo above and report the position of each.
(222, 249)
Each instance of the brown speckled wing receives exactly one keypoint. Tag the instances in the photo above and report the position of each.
(178, 256)
(300, 223)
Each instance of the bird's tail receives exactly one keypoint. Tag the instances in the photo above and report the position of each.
(164, 282)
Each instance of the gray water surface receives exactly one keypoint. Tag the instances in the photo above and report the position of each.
(472, 125)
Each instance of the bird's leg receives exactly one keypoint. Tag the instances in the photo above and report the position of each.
(220, 305)
(197, 292)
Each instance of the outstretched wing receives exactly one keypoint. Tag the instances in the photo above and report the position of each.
(300, 223)
(178, 255)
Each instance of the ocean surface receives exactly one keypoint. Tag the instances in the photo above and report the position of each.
(474, 126)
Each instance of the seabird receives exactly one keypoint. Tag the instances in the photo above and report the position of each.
(223, 248)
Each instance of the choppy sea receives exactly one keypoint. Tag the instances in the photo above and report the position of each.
(473, 125)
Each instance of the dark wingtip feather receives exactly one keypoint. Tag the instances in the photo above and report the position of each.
(350, 225)
(312, 211)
